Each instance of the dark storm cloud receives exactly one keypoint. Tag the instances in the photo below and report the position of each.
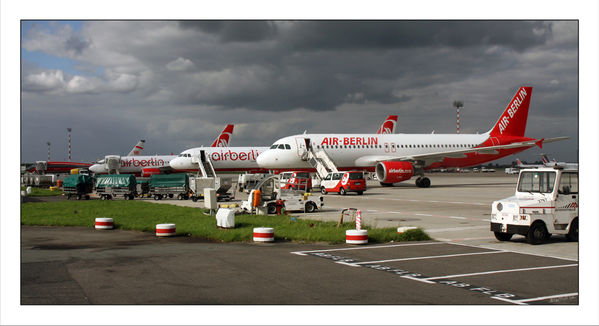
(404, 34)
(76, 44)
(235, 31)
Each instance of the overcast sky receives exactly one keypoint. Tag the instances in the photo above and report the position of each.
(176, 84)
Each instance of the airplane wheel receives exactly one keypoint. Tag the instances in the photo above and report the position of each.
(418, 182)
(426, 182)
(385, 184)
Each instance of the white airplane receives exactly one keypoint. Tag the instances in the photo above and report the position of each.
(240, 159)
(397, 158)
(153, 164)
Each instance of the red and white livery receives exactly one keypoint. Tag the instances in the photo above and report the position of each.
(398, 157)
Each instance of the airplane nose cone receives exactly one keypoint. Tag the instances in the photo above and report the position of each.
(175, 163)
(96, 168)
(264, 160)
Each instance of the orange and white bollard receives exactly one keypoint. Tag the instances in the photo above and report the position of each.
(356, 236)
(165, 230)
(264, 234)
(104, 223)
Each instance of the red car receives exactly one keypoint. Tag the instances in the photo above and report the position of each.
(296, 180)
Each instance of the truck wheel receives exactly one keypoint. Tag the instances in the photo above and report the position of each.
(310, 207)
(342, 191)
(131, 196)
(271, 209)
(86, 197)
(537, 233)
(503, 236)
(573, 234)
(180, 197)
(194, 198)
(170, 195)
(323, 190)
(156, 197)
(126, 197)
(360, 192)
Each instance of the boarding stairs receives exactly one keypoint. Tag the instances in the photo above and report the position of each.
(321, 162)
(205, 165)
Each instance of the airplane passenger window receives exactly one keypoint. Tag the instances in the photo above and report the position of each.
(287, 146)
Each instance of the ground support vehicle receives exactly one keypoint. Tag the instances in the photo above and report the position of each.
(220, 184)
(247, 181)
(511, 171)
(268, 197)
(169, 185)
(295, 180)
(109, 186)
(343, 182)
(545, 203)
(143, 186)
(77, 186)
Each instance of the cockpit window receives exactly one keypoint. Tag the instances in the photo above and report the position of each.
(274, 146)
(281, 146)
(287, 146)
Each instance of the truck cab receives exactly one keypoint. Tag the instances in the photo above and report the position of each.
(545, 203)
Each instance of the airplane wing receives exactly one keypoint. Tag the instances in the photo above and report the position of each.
(429, 158)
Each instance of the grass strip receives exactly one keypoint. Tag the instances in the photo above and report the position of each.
(143, 216)
(41, 192)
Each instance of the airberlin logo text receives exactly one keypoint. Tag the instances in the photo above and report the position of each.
(148, 162)
(511, 111)
(399, 171)
(234, 156)
(350, 141)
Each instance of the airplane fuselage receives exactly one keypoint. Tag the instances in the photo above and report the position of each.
(223, 158)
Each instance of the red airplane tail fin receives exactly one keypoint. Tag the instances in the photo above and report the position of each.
(388, 127)
(137, 149)
(223, 139)
(513, 120)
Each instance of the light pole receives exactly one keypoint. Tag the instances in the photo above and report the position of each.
(48, 143)
(69, 133)
(458, 105)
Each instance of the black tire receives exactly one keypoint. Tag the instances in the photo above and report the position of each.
(126, 197)
(180, 197)
(503, 236)
(109, 197)
(131, 196)
(386, 184)
(157, 197)
(310, 207)
(342, 191)
(102, 197)
(573, 234)
(323, 190)
(194, 198)
(68, 196)
(271, 209)
(425, 182)
(360, 192)
(86, 197)
(537, 233)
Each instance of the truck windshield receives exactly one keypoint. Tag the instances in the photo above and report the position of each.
(536, 181)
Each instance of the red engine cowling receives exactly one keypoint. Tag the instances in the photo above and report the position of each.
(392, 172)
(149, 171)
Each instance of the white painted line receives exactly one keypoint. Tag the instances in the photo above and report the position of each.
(550, 297)
(465, 239)
(433, 257)
(508, 300)
(458, 228)
(302, 253)
(514, 252)
(422, 214)
(501, 271)
(423, 280)
(458, 217)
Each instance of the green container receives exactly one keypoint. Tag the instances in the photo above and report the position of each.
(74, 180)
(115, 180)
(169, 180)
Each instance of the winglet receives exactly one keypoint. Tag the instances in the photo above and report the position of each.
(540, 143)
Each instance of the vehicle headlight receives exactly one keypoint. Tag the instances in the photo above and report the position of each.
(499, 207)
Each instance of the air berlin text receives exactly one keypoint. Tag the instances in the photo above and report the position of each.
(148, 162)
(512, 109)
(230, 155)
(350, 141)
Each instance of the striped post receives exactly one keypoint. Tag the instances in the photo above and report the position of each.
(165, 230)
(104, 223)
(69, 130)
(264, 234)
(356, 236)
(359, 220)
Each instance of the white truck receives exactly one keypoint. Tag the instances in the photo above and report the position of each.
(272, 195)
(545, 203)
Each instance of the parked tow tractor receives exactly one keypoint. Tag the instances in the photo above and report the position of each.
(545, 203)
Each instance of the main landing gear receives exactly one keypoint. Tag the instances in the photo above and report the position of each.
(423, 182)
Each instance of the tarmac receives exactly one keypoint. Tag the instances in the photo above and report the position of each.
(464, 265)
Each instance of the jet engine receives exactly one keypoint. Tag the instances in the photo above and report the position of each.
(390, 172)
(149, 171)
